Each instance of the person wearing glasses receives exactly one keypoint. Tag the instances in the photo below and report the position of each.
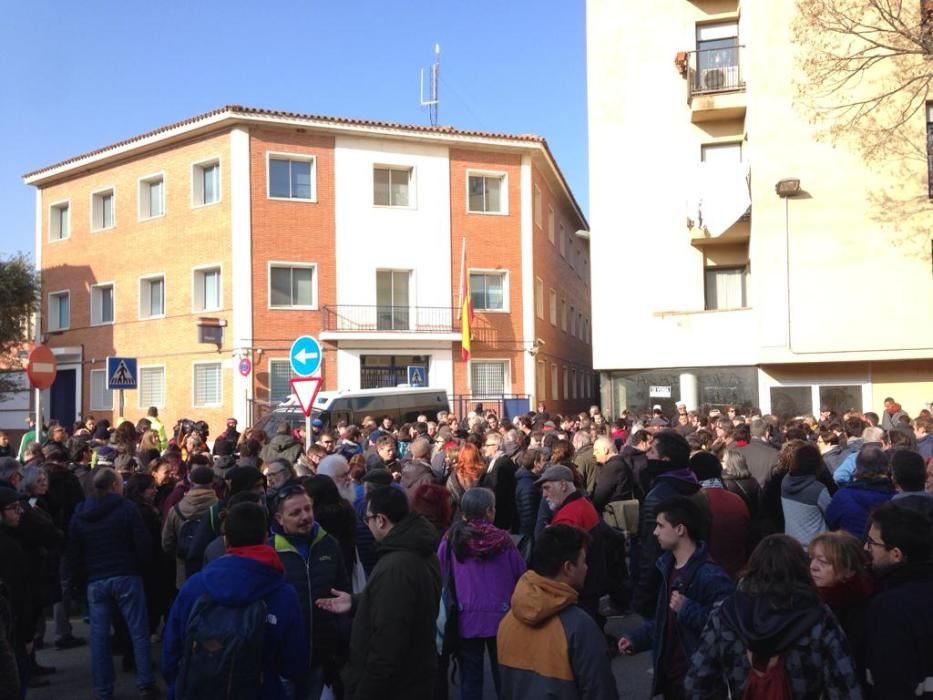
(313, 566)
(899, 633)
(392, 643)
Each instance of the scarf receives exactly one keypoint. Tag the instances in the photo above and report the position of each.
(262, 553)
(846, 594)
(485, 539)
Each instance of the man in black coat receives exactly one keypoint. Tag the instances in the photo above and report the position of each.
(392, 644)
(760, 456)
(500, 477)
(13, 576)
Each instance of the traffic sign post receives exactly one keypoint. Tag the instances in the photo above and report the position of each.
(306, 389)
(121, 375)
(305, 356)
(41, 368)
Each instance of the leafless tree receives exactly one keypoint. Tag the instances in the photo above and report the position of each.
(867, 71)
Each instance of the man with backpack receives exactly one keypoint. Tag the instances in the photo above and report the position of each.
(691, 583)
(184, 518)
(233, 631)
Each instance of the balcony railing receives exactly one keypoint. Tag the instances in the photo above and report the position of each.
(390, 319)
(715, 70)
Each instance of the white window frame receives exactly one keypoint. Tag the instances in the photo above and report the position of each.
(291, 372)
(61, 204)
(294, 264)
(538, 207)
(139, 392)
(507, 379)
(398, 167)
(113, 297)
(96, 196)
(301, 157)
(194, 287)
(48, 308)
(573, 321)
(539, 298)
(541, 380)
(197, 185)
(142, 196)
(551, 226)
(194, 388)
(552, 306)
(504, 191)
(505, 287)
(102, 373)
(562, 243)
(563, 315)
(579, 325)
(143, 281)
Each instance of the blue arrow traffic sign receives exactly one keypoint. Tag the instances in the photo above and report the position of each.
(305, 356)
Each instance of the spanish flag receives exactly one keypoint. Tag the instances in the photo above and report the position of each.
(466, 307)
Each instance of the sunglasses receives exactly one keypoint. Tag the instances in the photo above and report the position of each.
(289, 491)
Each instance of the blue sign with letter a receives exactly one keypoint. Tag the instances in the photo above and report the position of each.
(417, 375)
(121, 373)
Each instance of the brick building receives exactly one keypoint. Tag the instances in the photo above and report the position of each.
(270, 225)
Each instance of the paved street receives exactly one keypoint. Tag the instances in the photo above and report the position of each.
(73, 679)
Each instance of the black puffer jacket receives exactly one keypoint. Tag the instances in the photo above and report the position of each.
(392, 649)
(527, 501)
(614, 482)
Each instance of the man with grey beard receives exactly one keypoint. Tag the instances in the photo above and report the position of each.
(338, 469)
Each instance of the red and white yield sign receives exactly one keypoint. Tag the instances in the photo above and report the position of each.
(306, 389)
(41, 367)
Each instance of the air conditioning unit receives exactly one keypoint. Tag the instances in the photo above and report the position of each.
(721, 78)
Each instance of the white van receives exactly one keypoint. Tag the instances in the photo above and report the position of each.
(402, 404)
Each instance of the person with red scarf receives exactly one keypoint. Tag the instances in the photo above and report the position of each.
(250, 571)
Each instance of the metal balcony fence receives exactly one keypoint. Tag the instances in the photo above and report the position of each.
(715, 70)
(353, 318)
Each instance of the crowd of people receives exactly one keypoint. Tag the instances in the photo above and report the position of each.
(766, 558)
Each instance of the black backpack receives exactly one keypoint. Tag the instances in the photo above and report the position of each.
(222, 651)
(186, 533)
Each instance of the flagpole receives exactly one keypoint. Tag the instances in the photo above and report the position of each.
(462, 276)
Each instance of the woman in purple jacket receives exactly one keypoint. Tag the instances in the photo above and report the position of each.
(486, 566)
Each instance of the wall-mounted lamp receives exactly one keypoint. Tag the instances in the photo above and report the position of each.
(789, 187)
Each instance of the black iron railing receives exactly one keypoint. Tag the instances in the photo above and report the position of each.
(351, 318)
(715, 70)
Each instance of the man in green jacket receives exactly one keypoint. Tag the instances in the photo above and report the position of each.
(392, 645)
(153, 415)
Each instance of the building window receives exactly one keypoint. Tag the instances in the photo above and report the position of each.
(291, 178)
(391, 186)
(207, 289)
(488, 291)
(101, 304)
(392, 300)
(291, 286)
(550, 224)
(208, 384)
(59, 221)
(101, 396)
(205, 180)
(552, 303)
(151, 197)
(573, 321)
(930, 148)
(486, 194)
(152, 297)
(280, 372)
(573, 385)
(566, 383)
(151, 387)
(726, 287)
(555, 388)
(538, 213)
(102, 210)
(563, 315)
(580, 326)
(539, 298)
(59, 311)
(541, 380)
(489, 377)
(563, 241)
(718, 56)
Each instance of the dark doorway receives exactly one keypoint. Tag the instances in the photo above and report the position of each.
(62, 401)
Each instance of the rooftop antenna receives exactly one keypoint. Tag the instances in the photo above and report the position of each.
(433, 102)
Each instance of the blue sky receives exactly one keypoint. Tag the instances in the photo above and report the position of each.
(79, 75)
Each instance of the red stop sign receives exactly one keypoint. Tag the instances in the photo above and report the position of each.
(41, 367)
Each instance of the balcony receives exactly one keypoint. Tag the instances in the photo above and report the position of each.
(344, 321)
(715, 83)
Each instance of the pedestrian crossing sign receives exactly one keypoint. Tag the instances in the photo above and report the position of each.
(417, 376)
(121, 373)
